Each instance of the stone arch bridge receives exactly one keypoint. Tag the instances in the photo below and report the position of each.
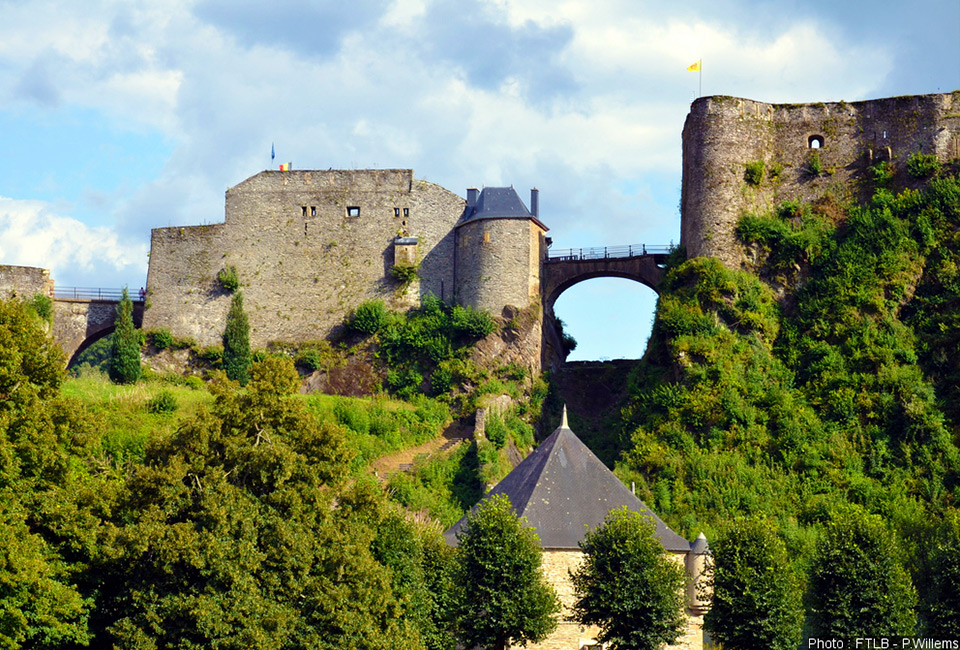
(564, 268)
(84, 316)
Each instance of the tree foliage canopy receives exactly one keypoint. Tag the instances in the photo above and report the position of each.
(628, 586)
(756, 602)
(858, 587)
(503, 597)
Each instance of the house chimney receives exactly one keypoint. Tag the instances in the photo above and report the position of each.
(535, 202)
(472, 194)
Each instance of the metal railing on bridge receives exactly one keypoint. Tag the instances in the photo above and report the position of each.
(92, 293)
(604, 252)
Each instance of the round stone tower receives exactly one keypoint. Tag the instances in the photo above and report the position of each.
(500, 250)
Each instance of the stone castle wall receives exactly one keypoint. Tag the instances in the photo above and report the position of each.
(499, 263)
(308, 247)
(722, 135)
(24, 282)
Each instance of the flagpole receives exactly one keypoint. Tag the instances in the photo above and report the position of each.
(700, 88)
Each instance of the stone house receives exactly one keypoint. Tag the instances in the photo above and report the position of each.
(562, 489)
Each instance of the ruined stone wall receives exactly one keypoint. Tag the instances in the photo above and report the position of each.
(308, 247)
(722, 135)
(24, 282)
(499, 262)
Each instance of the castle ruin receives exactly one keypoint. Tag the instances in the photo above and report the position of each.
(808, 152)
(310, 246)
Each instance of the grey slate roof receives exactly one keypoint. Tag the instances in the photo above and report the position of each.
(563, 490)
(498, 203)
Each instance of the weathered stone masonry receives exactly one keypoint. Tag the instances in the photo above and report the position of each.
(722, 135)
(308, 247)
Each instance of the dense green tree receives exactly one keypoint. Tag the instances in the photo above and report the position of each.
(628, 586)
(503, 597)
(240, 532)
(756, 597)
(236, 342)
(940, 584)
(858, 587)
(124, 367)
(44, 525)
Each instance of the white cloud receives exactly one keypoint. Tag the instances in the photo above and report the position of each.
(33, 234)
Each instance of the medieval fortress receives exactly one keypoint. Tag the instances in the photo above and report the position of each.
(310, 246)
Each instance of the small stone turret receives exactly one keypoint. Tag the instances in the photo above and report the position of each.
(497, 239)
(698, 600)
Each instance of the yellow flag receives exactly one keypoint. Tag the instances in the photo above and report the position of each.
(693, 67)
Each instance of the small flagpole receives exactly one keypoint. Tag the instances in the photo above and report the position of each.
(700, 87)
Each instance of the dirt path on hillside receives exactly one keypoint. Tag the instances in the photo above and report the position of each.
(402, 461)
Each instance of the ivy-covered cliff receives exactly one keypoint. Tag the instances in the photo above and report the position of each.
(823, 379)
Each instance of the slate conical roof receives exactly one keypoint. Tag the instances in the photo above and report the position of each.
(563, 490)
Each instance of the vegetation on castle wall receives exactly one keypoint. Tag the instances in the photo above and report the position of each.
(43, 305)
(228, 279)
(827, 377)
(422, 343)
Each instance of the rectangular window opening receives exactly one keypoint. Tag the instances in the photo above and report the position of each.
(313, 210)
(396, 212)
(353, 211)
(406, 212)
(303, 210)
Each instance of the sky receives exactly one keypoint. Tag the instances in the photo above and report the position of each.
(121, 116)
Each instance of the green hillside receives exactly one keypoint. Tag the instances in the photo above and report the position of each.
(820, 382)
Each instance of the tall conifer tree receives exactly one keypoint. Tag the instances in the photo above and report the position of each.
(124, 367)
(236, 342)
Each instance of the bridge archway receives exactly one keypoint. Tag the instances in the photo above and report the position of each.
(559, 274)
(90, 340)
(610, 317)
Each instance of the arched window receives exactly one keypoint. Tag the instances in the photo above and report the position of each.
(815, 142)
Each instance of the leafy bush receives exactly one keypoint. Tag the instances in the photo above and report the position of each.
(404, 274)
(881, 173)
(161, 339)
(309, 358)
(162, 402)
(814, 164)
(921, 165)
(754, 172)
(470, 323)
(428, 338)
(369, 317)
(496, 430)
(228, 279)
(43, 305)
